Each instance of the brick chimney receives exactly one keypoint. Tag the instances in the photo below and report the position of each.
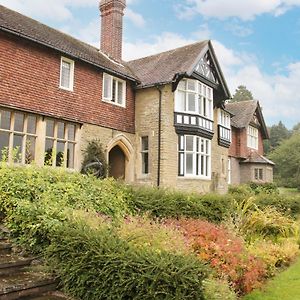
(112, 12)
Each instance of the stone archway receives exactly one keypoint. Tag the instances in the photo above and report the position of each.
(117, 163)
(120, 155)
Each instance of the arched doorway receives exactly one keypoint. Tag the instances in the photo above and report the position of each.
(117, 163)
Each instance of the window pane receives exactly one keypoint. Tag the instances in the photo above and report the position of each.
(50, 128)
(182, 85)
(31, 124)
(5, 118)
(18, 148)
(114, 91)
(60, 130)
(71, 132)
(191, 86)
(19, 122)
(145, 143)
(70, 155)
(48, 152)
(4, 143)
(60, 150)
(189, 143)
(191, 102)
(65, 74)
(120, 92)
(145, 164)
(30, 149)
(107, 86)
(189, 163)
(180, 101)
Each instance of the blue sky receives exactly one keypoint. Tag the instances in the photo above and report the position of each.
(257, 41)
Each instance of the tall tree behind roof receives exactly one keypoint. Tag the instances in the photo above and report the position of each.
(242, 94)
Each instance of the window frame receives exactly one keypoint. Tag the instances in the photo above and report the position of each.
(198, 156)
(144, 154)
(56, 139)
(224, 119)
(252, 137)
(259, 174)
(109, 99)
(25, 135)
(72, 71)
(204, 103)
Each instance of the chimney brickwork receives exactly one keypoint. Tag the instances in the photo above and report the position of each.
(112, 12)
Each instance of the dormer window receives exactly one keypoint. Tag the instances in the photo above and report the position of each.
(252, 137)
(66, 74)
(114, 90)
(194, 97)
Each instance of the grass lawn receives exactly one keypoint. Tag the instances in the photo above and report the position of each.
(285, 286)
(289, 191)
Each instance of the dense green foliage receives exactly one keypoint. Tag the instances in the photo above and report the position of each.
(94, 153)
(163, 203)
(287, 160)
(94, 263)
(278, 133)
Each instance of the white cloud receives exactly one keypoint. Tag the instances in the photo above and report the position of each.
(135, 18)
(243, 9)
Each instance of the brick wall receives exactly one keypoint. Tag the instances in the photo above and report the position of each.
(238, 147)
(29, 80)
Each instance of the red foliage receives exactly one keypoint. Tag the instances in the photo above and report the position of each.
(224, 252)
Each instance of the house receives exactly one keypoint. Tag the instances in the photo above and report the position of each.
(246, 160)
(161, 119)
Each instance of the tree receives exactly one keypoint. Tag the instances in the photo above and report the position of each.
(287, 159)
(242, 94)
(278, 133)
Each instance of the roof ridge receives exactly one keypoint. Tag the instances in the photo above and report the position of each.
(171, 50)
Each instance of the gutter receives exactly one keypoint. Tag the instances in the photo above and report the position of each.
(159, 88)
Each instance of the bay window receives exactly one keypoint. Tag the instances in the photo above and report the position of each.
(194, 156)
(194, 97)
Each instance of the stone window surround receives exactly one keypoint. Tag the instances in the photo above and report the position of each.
(41, 138)
(145, 155)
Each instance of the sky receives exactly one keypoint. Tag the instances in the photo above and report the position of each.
(257, 42)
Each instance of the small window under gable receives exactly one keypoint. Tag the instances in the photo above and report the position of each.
(114, 90)
(66, 74)
(207, 68)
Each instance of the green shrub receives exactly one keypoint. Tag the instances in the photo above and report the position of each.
(275, 255)
(59, 186)
(94, 263)
(216, 289)
(163, 203)
(267, 188)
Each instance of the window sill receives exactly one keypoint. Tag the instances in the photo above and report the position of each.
(114, 103)
(194, 178)
(66, 89)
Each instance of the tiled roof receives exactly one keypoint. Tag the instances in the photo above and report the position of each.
(254, 157)
(242, 111)
(20, 25)
(162, 67)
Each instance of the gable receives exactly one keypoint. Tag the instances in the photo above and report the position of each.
(206, 68)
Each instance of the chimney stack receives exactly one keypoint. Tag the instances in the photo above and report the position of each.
(112, 12)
